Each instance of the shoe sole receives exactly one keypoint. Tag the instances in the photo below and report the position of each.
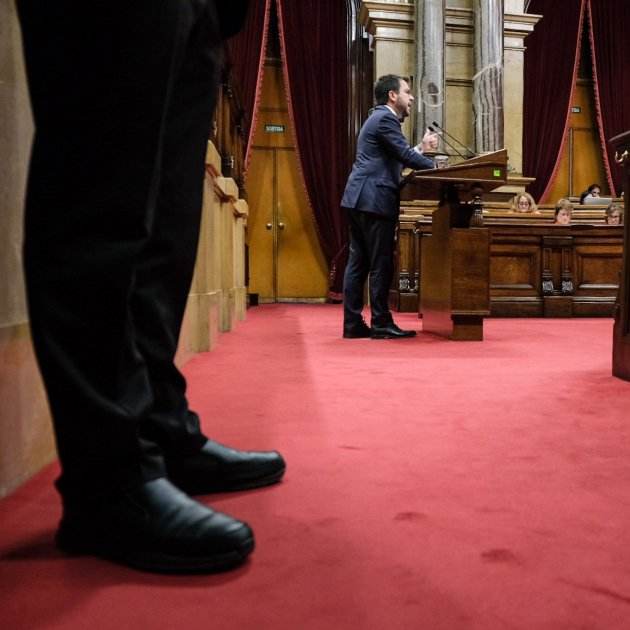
(392, 336)
(364, 335)
(156, 562)
(233, 486)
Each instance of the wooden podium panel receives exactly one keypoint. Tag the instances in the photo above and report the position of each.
(455, 257)
(621, 330)
(455, 294)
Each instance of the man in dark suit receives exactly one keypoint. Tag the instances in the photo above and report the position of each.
(372, 199)
(122, 95)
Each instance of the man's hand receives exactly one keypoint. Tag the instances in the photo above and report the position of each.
(429, 142)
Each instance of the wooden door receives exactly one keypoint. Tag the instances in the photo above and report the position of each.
(581, 162)
(285, 258)
(286, 263)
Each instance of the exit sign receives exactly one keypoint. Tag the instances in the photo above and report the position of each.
(274, 128)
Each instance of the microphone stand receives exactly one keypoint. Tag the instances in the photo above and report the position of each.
(461, 155)
(471, 153)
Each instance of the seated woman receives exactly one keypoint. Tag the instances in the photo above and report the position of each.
(594, 190)
(524, 202)
(563, 211)
(613, 214)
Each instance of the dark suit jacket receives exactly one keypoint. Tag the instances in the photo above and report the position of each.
(382, 152)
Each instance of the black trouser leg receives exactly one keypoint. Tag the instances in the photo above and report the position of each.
(101, 77)
(371, 253)
(164, 276)
(381, 235)
(356, 272)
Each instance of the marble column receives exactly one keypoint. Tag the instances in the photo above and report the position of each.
(488, 77)
(429, 88)
(391, 24)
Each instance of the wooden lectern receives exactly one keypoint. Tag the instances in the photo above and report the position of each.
(455, 260)
(621, 330)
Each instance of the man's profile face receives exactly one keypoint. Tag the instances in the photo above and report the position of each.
(401, 101)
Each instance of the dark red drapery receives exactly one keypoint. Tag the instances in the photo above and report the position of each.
(551, 61)
(610, 25)
(313, 43)
(246, 59)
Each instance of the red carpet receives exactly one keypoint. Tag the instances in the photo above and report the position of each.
(431, 485)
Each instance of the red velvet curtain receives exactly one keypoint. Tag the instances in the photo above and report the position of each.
(551, 61)
(246, 57)
(313, 43)
(610, 26)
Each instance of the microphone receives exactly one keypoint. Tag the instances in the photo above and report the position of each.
(461, 155)
(471, 153)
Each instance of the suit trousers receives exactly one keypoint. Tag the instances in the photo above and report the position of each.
(372, 239)
(122, 95)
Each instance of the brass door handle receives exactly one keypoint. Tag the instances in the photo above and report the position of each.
(281, 226)
(269, 226)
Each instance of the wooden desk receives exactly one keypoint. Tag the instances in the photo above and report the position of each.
(536, 269)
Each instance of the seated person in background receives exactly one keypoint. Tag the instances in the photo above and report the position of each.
(563, 210)
(613, 214)
(524, 202)
(594, 190)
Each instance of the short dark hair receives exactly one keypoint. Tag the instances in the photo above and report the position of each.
(384, 85)
(589, 191)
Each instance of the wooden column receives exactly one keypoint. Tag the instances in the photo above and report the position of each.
(621, 330)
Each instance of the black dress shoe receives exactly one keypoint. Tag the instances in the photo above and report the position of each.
(356, 332)
(219, 468)
(390, 331)
(155, 528)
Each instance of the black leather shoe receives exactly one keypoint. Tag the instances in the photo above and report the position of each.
(356, 332)
(390, 331)
(219, 468)
(155, 528)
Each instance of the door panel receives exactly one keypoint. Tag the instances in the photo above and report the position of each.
(260, 193)
(301, 265)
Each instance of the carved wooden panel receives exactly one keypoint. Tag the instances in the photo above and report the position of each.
(403, 295)
(596, 269)
(514, 269)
